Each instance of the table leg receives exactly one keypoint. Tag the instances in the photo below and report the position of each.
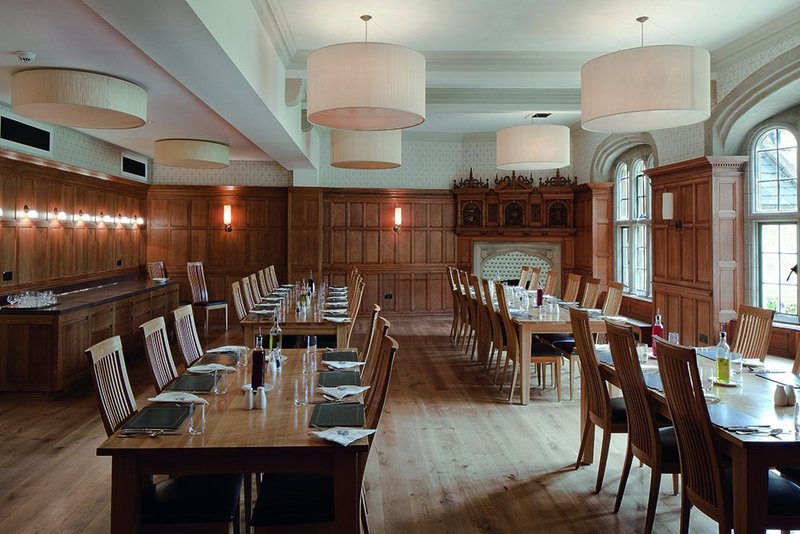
(525, 363)
(347, 493)
(750, 481)
(588, 451)
(124, 495)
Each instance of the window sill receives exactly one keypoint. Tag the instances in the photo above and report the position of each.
(633, 296)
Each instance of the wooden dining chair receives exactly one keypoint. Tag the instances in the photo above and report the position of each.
(197, 282)
(464, 321)
(552, 282)
(498, 342)
(524, 276)
(263, 288)
(192, 503)
(541, 353)
(238, 301)
(273, 277)
(610, 306)
(705, 481)
(484, 331)
(456, 311)
(354, 305)
(534, 279)
(186, 334)
(571, 288)
(155, 269)
(370, 338)
(796, 366)
(159, 355)
(472, 306)
(368, 370)
(247, 292)
(654, 446)
(753, 329)
(257, 296)
(601, 410)
(591, 290)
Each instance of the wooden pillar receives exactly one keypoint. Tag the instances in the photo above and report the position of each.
(304, 238)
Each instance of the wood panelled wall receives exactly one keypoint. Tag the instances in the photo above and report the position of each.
(409, 265)
(47, 252)
(185, 224)
(594, 231)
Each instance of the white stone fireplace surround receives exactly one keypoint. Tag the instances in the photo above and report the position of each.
(508, 257)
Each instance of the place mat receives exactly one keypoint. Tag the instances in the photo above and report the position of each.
(785, 379)
(344, 436)
(338, 311)
(723, 415)
(201, 383)
(339, 378)
(327, 415)
(653, 381)
(227, 349)
(158, 417)
(179, 397)
(337, 319)
(340, 392)
(339, 356)
(207, 368)
(337, 305)
(223, 358)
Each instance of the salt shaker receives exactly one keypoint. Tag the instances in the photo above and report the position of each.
(261, 399)
(780, 396)
(791, 398)
(248, 397)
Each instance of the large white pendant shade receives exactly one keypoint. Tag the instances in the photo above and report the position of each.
(78, 99)
(366, 150)
(192, 153)
(533, 147)
(366, 86)
(647, 88)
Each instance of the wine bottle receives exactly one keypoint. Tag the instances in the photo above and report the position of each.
(311, 286)
(257, 376)
(657, 330)
(276, 342)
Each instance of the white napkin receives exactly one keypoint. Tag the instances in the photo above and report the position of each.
(340, 392)
(210, 368)
(648, 368)
(341, 311)
(178, 396)
(337, 319)
(344, 435)
(262, 312)
(343, 365)
(342, 304)
(226, 348)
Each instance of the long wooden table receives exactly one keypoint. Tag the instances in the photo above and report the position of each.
(543, 321)
(751, 456)
(238, 441)
(296, 325)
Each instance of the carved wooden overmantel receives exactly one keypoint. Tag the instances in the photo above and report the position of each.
(515, 206)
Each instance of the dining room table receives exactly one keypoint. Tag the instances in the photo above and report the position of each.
(749, 398)
(238, 440)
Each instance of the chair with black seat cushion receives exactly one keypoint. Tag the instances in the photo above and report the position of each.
(197, 283)
(156, 269)
(552, 282)
(591, 290)
(607, 413)
(524, 276)
(193, 503)
(753, 329)
(159, 356)
(263, 288)
(653, 446)
(238, 301)
(571, 288)
(186, 334)
(534, 279)
(706, 483)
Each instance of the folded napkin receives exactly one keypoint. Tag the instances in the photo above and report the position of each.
(180, 397)
(340, 311)
(337, 319)
(331, 300)
(210, 368)
(343, 435)
(340, 392)
(262, 312)
(342, 365)
(342, 304)
(226, 348)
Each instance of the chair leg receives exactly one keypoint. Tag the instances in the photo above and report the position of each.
(674, 483)
(652, 501)
(626, 469)
(515, 370)
(571, 377)
(207, 312)
(601, 466)
(686, 512)
(557, 373)
(497, 369)
(584, 438)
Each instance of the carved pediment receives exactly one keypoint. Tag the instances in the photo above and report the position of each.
(471, 182)
(558, 180)
(513, 182)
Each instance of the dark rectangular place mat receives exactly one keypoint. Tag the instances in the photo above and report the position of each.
(201, 383)
(158, 417)
(786, 379)
(725, 416)
(223, 358)
(339, 378)
(326, 415)
(339, 356)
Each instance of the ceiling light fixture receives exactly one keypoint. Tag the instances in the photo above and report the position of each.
(366, 86)
(646, 88)
(79, 99)
(533, 147)
(366, 150)
(192, 153)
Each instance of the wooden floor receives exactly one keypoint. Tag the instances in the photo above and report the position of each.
(452, 456)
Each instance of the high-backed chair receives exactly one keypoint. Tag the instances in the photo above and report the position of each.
(263, 288)
(273, 278)
(753, 328)
(159, 355)
(653, 446)
(186, 334)
(456, 302)
(155, 269)
(498, 345)
(591, 290)
(541, 353)
(372, 367)
(705, 482)
(607, 413)
(257, 296)
(207, 503)
(552, 282)
(371, 339)
(524, 276)
(613, 299)
(534, 279)
(354, 305)
(570, 293)
(197, 282)
(238, 301)
(472, 314)
(247, 292)
(464, 330)
(484, 333)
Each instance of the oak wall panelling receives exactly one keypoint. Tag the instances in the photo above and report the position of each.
(594, 231)
(185, 224)
(305, 231)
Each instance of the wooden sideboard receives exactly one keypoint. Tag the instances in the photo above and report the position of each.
(43, 350)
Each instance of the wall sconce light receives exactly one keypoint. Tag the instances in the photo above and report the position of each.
(28, 213)
(226, 217)
(1, 212)
(667, 210)
(104, 218)
(139, 221)
(398, 218)
(60, 215)
(81, 216)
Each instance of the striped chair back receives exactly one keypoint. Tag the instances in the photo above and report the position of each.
(110, 379)
(155, 269)
(247, 293)
(159, 356)
(197, 281)
(238, 303)
(186, 332)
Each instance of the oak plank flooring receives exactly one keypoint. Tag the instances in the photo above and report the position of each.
(451, 457)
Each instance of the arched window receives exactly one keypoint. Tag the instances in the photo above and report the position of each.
(632, 221)
(773, 219)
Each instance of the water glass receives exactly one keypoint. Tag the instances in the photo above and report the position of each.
(674, 337)
(641, 352)
(197, 419)
(244, 356)
(736, 367)
(301, 391)
(220, 382)
(311, 343)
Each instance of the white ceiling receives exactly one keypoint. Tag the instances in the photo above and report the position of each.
(490, 63)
